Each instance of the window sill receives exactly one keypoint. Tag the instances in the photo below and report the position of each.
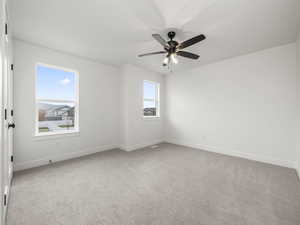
(47, 136)
(151, 117)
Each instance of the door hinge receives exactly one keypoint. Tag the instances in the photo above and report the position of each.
(5, 114)
(12, 112)
(6, 29)
(12, 158)
(11, 66)
(5, 200)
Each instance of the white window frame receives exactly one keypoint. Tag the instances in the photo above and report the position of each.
(76, 102)
(156, 99)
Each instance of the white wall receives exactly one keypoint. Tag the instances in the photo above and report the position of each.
(99, 107)
(136, 131)
(244, 106)
(298, 103)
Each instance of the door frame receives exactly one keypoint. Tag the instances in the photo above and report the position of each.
(6, 104)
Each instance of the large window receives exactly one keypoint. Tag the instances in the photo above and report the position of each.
(151, 99)
(56, 100)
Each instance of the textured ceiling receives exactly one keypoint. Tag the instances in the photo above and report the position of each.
(115, 31)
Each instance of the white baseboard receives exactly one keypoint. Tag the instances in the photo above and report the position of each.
(57, 158)
(253, 157)
(129, 148)
(62, 157)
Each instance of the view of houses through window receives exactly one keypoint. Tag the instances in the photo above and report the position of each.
(151, 99)
(56, 100)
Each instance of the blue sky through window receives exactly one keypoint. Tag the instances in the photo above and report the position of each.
(149, 93)
(55, 83)
(148, 104)
(149, 90)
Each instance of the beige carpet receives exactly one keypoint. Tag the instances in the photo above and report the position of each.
(171, 185)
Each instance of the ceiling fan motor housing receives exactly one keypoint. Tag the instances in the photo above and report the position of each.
(173, 44)
(171, 34)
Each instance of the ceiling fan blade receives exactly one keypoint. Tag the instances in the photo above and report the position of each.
(187, 55)
(160, 40)
(152, 53)
(191, 41)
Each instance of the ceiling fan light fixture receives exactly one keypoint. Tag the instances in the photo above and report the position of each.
(166, 60)
(174, 59)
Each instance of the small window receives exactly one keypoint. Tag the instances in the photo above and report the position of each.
(151, 99)
(56, 100)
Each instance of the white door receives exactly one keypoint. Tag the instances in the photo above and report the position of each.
(7, 112)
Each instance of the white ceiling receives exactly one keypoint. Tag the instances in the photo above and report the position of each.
(115, 31)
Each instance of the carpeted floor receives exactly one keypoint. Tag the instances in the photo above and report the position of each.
(171, 185)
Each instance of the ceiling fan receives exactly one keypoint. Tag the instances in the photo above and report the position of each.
(173, 48)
